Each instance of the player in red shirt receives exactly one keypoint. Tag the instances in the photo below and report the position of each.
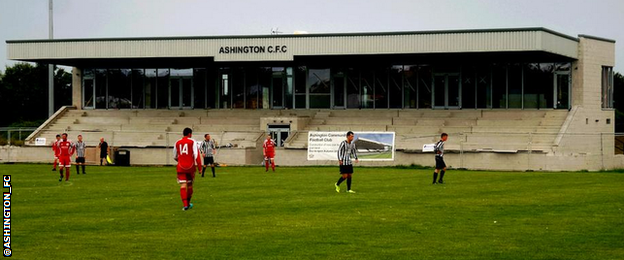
(186, 153)
(268, 150)
(55, 150)
(65, 151)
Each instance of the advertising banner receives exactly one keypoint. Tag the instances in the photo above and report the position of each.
(371, 146)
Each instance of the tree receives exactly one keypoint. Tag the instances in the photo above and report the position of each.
(23, 93)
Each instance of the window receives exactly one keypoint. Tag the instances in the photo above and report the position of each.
(499, 86)
(538, 81)
(514, 83)
(319, 86)
(395, 87)
(137, 88)
(607, 87)
(199, 85)
(119, 89)
(162, 92)
(425, 80)
(88, 83)
(150, 88)
(300, 87)
(101, 100)
(468, 87)
(410, 74)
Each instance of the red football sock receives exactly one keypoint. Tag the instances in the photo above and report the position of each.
(266, 164)
(55, 163)
(66, 174)
(189, 193)
(184, 194)
(273, 166)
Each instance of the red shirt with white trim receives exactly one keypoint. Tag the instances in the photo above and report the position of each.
(187, 154)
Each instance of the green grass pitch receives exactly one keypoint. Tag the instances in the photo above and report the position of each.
(245, 213)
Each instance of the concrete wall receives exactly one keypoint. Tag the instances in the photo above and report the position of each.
(583, 136)
(289, 157)
(77, 88)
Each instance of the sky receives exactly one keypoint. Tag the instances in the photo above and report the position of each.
(28, 19)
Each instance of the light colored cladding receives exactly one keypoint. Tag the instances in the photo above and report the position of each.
(308, 45)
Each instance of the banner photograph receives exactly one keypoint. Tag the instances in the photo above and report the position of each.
(371, 146)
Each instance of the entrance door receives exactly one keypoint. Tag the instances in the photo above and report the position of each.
(279, 133)
(561, 91)
(339, 92)
(181, 92)
(446, 91)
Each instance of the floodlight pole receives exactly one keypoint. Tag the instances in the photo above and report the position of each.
(50, 66)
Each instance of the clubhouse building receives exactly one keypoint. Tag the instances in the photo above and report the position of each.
(512, 99)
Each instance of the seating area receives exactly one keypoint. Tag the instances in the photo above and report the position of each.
(469, 130)
(158, 128)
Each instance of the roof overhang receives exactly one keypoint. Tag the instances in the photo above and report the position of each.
(540, 42)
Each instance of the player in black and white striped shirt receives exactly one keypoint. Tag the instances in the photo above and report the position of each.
(208, 150)
(439, 158)
(345, 151)
(80, 155)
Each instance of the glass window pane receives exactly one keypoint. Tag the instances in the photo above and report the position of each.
(563, 91)
(319, 81)
(162, 91)
(199, 85)
(150, 88)
(395, 87)
(100, 89)
(320, 101)
(453, 90)
(439, 86)
(238, 88)
(468, 87)
(425, 80)
(174, 91)
(187, 92)
(277, 88)
(252, 86)
(410, 74)
(538, 83)
(381, 88)
(300, 87)
(339, 89)
(300, 101)
(353, 88)
(514, 81)
(119, 89)
(288, 98)
(499, 86)
(367, 85)
(88, 82)
(484, 88)
(137, 88)
(224, 88)
(264, 79)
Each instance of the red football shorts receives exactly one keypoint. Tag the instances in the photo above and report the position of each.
(64, 161)
(185, 177)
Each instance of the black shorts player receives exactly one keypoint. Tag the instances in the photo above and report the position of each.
(439, 159)
(346, 150)
(208, 160)
(80, 160)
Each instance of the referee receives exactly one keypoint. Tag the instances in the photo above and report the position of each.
(80, 155)
(207, 148)
(439, 159)
(345, 151)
